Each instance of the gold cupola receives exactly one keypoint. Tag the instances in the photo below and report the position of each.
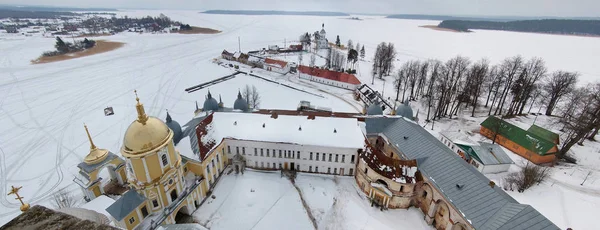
(145, 134)
(96, 155)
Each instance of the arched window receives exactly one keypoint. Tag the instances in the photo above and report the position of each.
(165, 160)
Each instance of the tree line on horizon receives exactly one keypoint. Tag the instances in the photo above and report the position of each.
(553, 26)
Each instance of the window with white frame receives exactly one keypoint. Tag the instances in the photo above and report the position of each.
(164, 159)
(131, 220)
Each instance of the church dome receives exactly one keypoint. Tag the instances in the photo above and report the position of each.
(96, 155)
(175, 128)
(374, 109)
(405, 110)
(210, 104)
(240, 103)
(145, 134)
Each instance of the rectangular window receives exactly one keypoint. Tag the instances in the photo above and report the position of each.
(261, 152)
(280, 153)
(330, 156)
(343, 158)
(155, 203)
(164, 159)
(316, 168)
(298, 167)
(267, 152)
(279, 165)
(229, 149)
(262, 164)
(213, 162)
(317, 156)
(244, 150)
(274, 166)
(217, 158)
(298, 155)
(273, 153)
(255, 151)
(329, 170)
(144, 212)
(351, 172)
(323, 158)
(292, 155)
(310, 156)
(352, 159)
(334, 170)
(337, 156)
(237, 150)
(131, 220)
(310, 168)
(366, 170)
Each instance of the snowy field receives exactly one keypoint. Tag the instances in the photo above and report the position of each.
(43, 107)
(264, 200)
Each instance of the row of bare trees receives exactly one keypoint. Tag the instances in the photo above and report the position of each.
(509, 88)
(383, 60)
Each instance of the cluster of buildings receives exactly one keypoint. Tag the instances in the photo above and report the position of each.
(167, 170)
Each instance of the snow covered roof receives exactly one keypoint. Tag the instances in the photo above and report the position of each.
(278, 63)
(458, 138)
(320, 131)
(484, 206)
(185, 148)
(99, 204)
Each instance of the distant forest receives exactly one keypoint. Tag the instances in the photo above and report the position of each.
(33, 14)
(480, 18)
(49, 8)
(275, 12)
(553, 26)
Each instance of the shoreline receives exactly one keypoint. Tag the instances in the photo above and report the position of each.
(102, 46)
(199, 30)
(434, 27)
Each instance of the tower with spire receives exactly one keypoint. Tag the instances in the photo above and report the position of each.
(92, 183)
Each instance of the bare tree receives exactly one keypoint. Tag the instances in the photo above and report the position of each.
(476, 78)
(559, 84)
(523, 86)
(63, 199)
(528, 176)
(252, 96)
(509, 69)
(435, 66)
(582, 117)
(312, 60)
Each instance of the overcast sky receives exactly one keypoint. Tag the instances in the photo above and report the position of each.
(573, 8)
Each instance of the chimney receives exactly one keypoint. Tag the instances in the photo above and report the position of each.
(405, 138)
(334, 130)
(492, 184)
(263, 125)
(274, 115)
(300, 128)
(235, 123)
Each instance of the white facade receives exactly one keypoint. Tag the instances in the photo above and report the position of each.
(326, 81)
(271, 155)
(489, 169)
(322, 41)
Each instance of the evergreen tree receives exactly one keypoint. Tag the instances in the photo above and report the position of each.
(362, 52)
(337, 41)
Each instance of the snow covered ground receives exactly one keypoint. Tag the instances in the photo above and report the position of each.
(265, 200)
(255, 200)
(43, 107)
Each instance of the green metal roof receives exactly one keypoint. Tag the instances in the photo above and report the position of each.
(543, 133)
(525, 139)
(469, 150)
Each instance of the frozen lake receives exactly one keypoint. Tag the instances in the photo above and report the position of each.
(43, 107)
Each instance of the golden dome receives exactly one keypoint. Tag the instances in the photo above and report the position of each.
(96, 155)
(143, 137)
(146, 133)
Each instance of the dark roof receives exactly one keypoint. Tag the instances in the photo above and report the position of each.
(89, 168)
(544, 133)
(210, 104)
(525, 139)
(175, 127)
(125, 204)
(240, 103)
(405, 110)
(374, 109)
(480, 204)
(40, 217)
(331, 75)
